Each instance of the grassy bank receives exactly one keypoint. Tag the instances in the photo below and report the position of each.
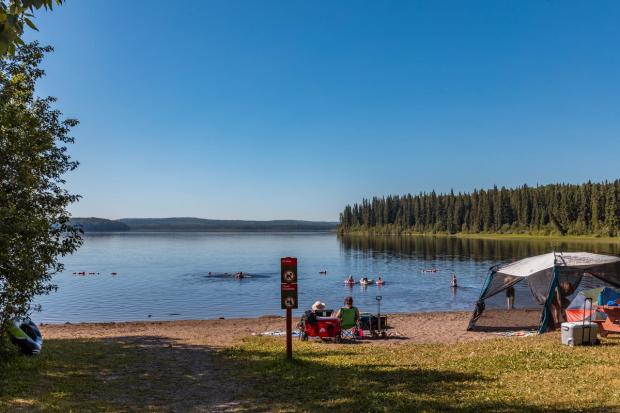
(560, 238)
(494, 236)
(153, 374)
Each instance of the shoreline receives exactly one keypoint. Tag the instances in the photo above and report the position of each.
(486, 236)
(416, 328)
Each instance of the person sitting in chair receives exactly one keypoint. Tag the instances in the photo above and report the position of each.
(310, 316)
(318, 306)
(319, 309)
(348, 315)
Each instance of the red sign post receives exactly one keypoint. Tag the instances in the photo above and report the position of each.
(288, 293)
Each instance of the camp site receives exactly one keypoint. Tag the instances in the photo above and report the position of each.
(309, 206)
(415, 361)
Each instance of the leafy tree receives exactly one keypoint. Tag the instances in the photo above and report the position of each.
(34, 223)
(14, 16)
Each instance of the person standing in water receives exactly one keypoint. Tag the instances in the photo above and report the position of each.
(455, 283)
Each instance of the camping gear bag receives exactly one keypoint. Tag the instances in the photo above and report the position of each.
(26, 335)
(371, 322)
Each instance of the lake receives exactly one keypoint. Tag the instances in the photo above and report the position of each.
(165, 276)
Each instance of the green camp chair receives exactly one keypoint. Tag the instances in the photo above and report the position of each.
(348, 323)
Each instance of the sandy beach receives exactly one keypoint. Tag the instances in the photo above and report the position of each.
(423, 328)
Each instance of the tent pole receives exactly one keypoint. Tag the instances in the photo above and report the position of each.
(479, 307)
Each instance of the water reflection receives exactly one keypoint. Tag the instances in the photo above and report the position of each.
(166, 276)
(431, 247)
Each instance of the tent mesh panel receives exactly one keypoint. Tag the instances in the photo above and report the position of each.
(497, 316)
(530, 295)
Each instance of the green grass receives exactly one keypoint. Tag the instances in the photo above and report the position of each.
(152, 374)
(111, 375)
(562, 238)
(521, 374)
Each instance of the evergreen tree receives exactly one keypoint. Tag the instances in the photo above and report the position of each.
(559, 208)
(611, 210)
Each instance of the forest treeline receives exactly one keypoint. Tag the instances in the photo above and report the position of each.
(564, 209)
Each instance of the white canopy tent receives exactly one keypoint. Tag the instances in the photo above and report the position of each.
(550, 277)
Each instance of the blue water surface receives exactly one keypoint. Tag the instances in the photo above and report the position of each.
(165, 276)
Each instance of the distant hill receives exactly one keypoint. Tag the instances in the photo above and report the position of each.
(199, 225)
(99, 224)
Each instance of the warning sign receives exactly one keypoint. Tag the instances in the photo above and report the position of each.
(290, 302)
(289, 270)
(289, 277)
(288, 288)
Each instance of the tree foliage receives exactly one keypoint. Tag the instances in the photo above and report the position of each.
(590, 208)
(34, 223)
(14, 16)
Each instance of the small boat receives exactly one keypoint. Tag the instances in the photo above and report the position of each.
(366, 281)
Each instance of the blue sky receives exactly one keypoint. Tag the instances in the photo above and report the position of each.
(269, 110)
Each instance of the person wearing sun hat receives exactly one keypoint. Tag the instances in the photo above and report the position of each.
(317, 310)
